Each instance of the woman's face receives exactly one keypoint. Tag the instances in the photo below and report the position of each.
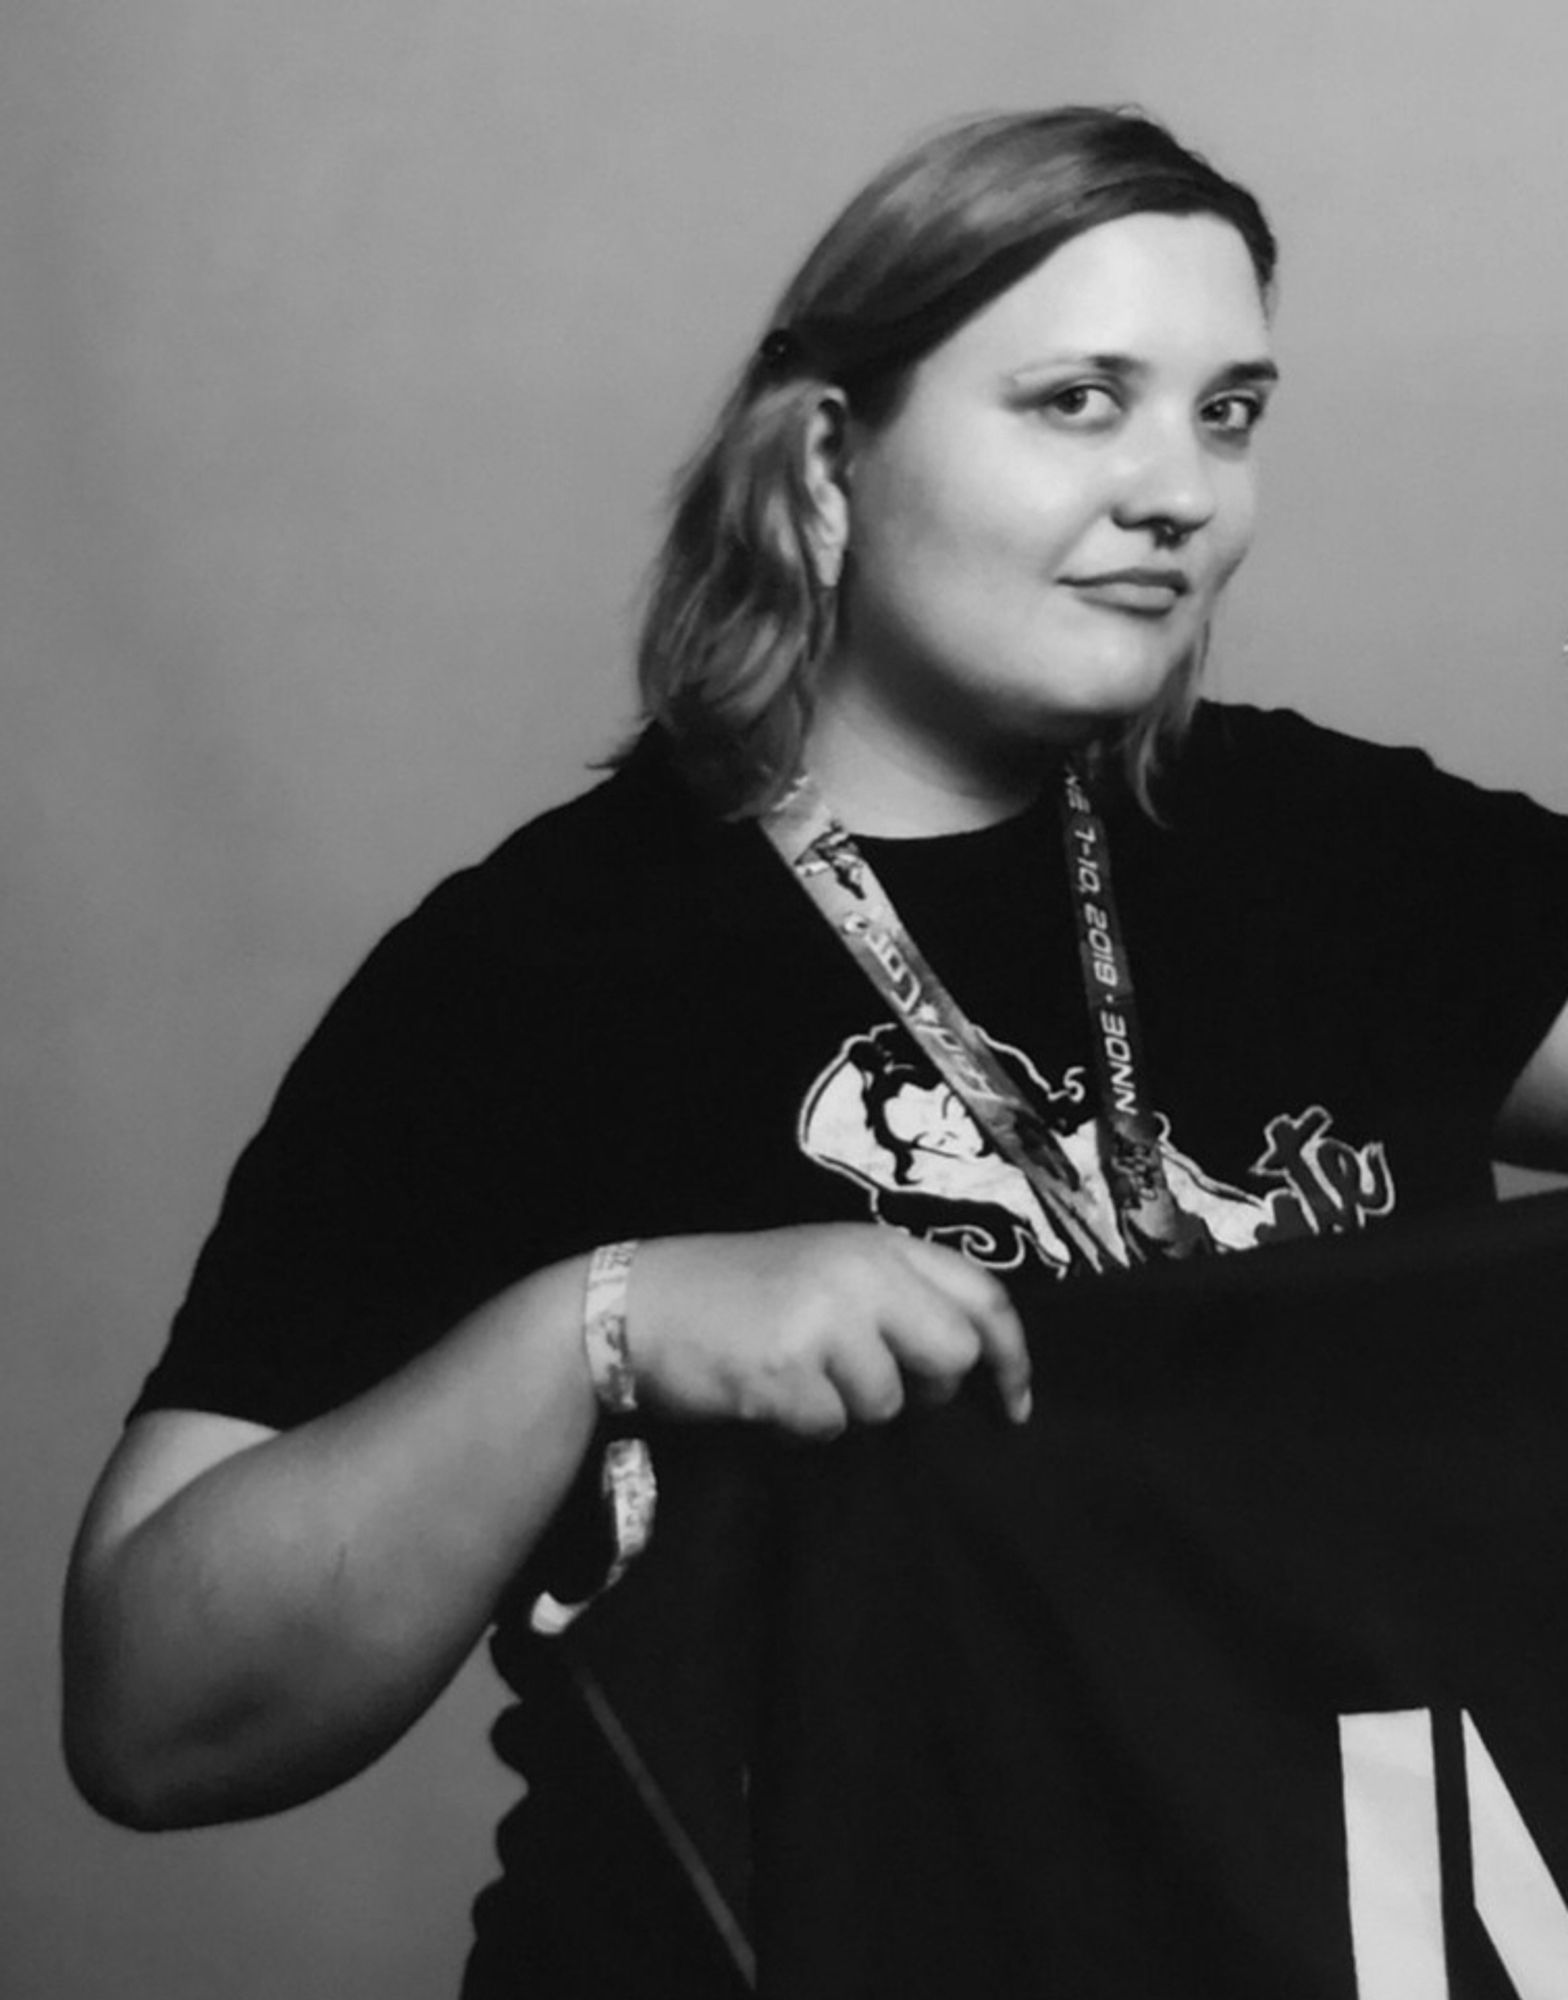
(1037, 535)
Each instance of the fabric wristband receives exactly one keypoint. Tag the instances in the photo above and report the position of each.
(626, 1477)
(604, 1328)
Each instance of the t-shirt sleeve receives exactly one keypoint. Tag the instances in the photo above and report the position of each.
(1450, 898)
(1494, 888)
(387, 1193)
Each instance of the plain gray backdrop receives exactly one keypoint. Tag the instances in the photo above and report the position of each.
(345, 349)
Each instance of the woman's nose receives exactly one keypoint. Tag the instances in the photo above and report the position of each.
(1169, 486)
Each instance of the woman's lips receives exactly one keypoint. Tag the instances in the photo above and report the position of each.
(1149, 592)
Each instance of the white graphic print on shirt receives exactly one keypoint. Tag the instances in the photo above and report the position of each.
(880, 1116)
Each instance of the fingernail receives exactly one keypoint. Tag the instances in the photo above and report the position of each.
(1023, 1407)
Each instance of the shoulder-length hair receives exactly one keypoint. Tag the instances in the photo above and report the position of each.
(737, 620)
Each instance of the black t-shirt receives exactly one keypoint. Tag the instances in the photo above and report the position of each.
(628, 1021)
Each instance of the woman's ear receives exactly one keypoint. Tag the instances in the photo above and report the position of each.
(827, 485)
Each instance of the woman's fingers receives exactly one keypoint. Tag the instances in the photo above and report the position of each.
(988, 1312)
(866, 1374)
(817, 1411)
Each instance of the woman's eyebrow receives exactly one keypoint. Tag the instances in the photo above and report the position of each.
(1130, 367)
(1241, 373)
(1101, 364)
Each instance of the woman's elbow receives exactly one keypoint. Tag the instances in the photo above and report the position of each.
(150, 1781)
(136, 1752)
(119, 1780)
(115, 1791)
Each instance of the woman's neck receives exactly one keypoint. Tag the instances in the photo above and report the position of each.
(879, 782)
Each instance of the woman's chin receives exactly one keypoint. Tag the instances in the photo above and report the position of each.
(1107, 702)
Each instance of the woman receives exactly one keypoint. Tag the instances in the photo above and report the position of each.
(952, 549)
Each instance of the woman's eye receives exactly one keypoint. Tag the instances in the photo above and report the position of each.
(1083, 404)
(1235, 416)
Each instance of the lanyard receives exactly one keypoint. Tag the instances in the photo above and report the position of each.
(823, 858)
(1134, 1163)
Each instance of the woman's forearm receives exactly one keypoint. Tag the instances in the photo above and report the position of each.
(280, 1620)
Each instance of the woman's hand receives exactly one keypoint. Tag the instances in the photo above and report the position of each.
(816, 1327)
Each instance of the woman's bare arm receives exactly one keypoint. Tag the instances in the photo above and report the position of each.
(253, 1616)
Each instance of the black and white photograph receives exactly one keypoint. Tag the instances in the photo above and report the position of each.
(785, 1039)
